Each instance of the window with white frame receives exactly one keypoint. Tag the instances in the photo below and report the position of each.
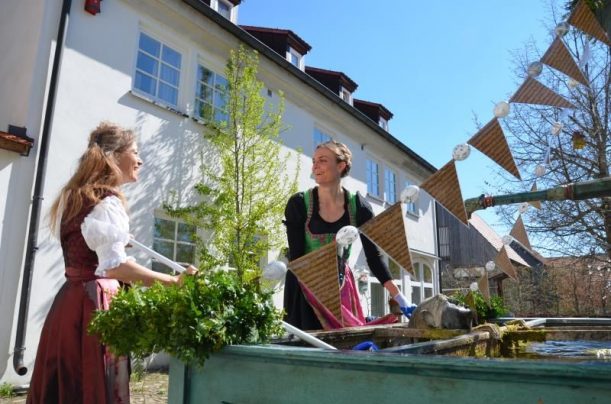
(372, 174)
(390, 185)
(379, 295)
(346, 95)
(383, 123)
(422, 283)
(224, 8)
(294, 57)
(319, 137)
(157, 70)
(411, 206)
(175, 240)
(210, 95)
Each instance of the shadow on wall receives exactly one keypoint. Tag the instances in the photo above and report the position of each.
(13, 239)
(173, 151)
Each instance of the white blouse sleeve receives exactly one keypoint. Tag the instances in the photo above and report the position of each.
(106, 231)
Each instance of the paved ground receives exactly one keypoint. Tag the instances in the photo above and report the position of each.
(152, 389)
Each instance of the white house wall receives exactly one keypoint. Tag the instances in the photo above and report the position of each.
(95, 84)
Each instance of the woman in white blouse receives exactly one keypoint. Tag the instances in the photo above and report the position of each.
(90, 220)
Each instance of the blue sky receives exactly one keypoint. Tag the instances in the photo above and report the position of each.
(434, 64)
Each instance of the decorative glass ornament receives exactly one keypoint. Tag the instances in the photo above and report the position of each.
(490, 266)
(534, 69)
(557, 128)
(507, 239)
(347, 235)
(474, 287)
(573, 83)
(461, 152)
(562, 28)
(410, 194)
(540, 170)
(501, 109)
(523, 207)
(274, 271)
(579, 140)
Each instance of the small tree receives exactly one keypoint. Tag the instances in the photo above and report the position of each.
(245, 184)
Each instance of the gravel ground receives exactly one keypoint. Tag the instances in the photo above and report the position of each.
(151, 389)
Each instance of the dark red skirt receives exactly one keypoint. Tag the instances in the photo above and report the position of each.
(72, 366)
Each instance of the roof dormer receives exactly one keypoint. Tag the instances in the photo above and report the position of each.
(374, 111)
(335, 81)
(282, 41)
(226, 8)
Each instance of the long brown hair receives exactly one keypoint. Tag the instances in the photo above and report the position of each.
(97, 173)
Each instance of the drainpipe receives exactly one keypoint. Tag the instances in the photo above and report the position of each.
(37, 198)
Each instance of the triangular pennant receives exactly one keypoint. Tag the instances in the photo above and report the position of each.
(536, 204)
(504, 263)
(491, 141)
(584, 19)
(318, 271)
(388, 231)
(445, 188)
(519, 233)
(559, 57)
(484, 288)
(533, 92)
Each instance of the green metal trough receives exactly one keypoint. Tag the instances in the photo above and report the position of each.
(397, 374)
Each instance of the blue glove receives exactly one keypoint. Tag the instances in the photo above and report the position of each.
(408, 310)
(406, 307)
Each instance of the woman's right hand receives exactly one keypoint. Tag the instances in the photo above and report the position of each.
(191, 270)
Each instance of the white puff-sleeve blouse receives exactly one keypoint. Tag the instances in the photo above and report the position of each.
(106, 231)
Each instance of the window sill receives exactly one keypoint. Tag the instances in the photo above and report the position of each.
(158, 103)
(412, 214)
(375, 199)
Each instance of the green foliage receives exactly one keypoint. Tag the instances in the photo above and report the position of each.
(189, 321)
(244, 185)
(485, 311)
(6, 390)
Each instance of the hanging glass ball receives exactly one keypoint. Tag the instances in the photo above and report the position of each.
(540, 170)
(557, 128)
(562, 28)
(507, 239)
(410, 194)
(534, 69)
(501, 109)
(347, 235)
(474, 287)
(490, 266)
(461, 152)
(523, 207)
(573, 83)
(274, 271)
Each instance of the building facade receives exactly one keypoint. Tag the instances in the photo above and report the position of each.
(156, 66)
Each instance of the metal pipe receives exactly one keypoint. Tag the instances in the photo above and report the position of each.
(37, 198)
(575, 191)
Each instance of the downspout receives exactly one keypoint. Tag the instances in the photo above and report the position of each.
(37, 198)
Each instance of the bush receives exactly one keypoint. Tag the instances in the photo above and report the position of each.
(485, 311)
(189, 321)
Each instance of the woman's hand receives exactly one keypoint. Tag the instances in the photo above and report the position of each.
(191, 270)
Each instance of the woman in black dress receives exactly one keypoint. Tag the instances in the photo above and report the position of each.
(313, 218)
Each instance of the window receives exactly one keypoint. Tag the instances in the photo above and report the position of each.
(422, 285)
(174, 240)
(157, 70)
(224, 9)
(411, 206)
(444, 242)
(383, 123)
(320, 137)
(390, 185)
(346, 96)
(372, 178)
(210, 95)
(294, 57)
